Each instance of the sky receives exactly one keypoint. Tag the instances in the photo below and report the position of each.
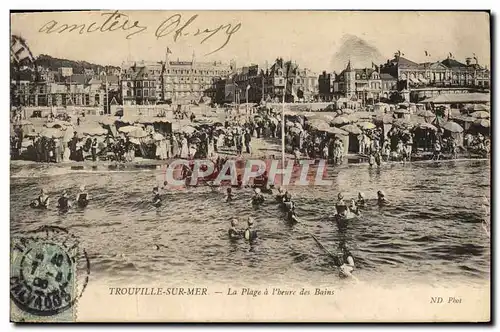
(310, 38)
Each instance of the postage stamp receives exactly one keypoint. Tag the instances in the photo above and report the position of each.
(45, 283)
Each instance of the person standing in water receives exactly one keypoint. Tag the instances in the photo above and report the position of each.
(82, 199)
(156, 197)
(257, 198)
(42, 201)
(234, 233)
(250, 234)
(361, 200)
(229, 195)
(63, 202)
(345, 261)
(381, 198)
(341, 206)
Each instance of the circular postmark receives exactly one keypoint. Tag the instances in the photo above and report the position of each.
(49, 272)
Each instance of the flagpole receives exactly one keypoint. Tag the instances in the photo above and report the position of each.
(283, 130)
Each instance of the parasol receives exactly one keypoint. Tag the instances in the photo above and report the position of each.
(107, 121)
(480, 115)
(366, 125)
(453, 127)
(295, 130)
(351, 129)
(195, 140)
(58, 124)
(426, 114)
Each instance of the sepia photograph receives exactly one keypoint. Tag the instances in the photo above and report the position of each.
(250, 166)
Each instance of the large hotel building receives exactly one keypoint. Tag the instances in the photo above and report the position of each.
(180, 82)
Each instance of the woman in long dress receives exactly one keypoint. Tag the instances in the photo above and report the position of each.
(184, 148)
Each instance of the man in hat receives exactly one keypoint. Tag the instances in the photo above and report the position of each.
(42, 201)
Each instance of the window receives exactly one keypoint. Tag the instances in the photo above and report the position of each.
(152, 84)
(357, 76)
(128, 84)
(146, 92)
(152, 93)
(139, 84)
(97, 99)
(139, 93)
(128, 93)
(281, 81)
(168, 71)
(146, 84)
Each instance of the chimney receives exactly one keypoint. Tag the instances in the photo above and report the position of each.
(467, 61)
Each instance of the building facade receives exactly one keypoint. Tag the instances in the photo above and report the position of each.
(423, 80)
(367, 85)
(180, 82)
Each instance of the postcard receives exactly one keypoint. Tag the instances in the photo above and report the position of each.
(250, 166)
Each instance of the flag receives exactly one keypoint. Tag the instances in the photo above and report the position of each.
(451, 55)
(426, 53)
(169, 51)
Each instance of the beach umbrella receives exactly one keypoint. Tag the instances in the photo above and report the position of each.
(336, 131)
(134, 140)
(350, 128)
(127, 129)
(340, 120)
(318, 124)
(480, 107)
(480, 115)
(483, 123)
(366, 125)
(426, 114)
(402, 123)
(188, 129)
(363, 115)
(453, 127)
(58, 124)
(402, 111)
(52, 133)
(108, 120)
(91, 131)
(426, 126)
(138, 133)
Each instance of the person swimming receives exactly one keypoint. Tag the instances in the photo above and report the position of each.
(250, 234)
(156, 197)
(257, 198)
(63, 203)
(229, 195)
(42, 201)
(345, 261)
(82, 199)
(234, 233)
(381, 198)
